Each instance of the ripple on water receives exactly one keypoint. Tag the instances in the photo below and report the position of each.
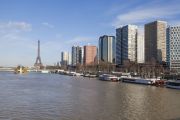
(58, 97)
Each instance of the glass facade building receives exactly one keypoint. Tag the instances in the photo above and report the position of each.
(107, 49)
(126, 43)
(77, 55)
(64, 58)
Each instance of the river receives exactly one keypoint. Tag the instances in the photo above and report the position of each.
(36, 96)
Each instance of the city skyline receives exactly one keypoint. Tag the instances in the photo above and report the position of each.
(60, 24)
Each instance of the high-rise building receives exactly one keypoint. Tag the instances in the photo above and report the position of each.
(64, 58)
(107, 49)
(118, 46)
(140, 49)
(126, 43)
(155, 41)
(173, 48)
(90, 53)
(70, 60)
(77, 55)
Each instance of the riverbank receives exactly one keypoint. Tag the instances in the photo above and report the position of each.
(125, 77)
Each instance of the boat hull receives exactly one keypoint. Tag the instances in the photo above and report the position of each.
(137, 81)
(108, 78)
(173, 84)
(173, 87)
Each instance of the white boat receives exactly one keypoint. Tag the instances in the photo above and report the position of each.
(78, 74)
(153, 80)
(60, 71)
(90, 75)
(44, 71)
(72, 73)
(107, 77)
(86, 75)
(137, 80)
(66, 72)
(175, 84)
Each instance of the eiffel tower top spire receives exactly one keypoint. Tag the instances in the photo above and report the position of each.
(38, 62)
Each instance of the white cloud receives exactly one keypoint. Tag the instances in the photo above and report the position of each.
(15, 26)
(148, 12)
(48, 25)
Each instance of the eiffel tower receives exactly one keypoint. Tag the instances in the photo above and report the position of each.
(38, 63)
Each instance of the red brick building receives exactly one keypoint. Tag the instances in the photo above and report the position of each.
(90, 54)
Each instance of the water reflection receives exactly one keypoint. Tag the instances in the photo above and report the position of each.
(57, 97)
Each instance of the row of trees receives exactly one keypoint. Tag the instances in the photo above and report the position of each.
(150, 69)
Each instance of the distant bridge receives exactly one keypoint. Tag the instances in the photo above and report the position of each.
(11, 69)
(7, 69)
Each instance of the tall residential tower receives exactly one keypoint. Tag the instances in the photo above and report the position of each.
(155, 41)
(140, 49)
(126, 43)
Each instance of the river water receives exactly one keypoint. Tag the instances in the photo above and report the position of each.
(36, 96)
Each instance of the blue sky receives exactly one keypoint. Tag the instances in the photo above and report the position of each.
(59, 24)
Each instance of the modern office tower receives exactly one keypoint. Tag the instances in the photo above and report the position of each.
(140, 49)
(107, 49)
(173, 48)
(64, 58)
(155, 41)
(70, 60)
(74, 56)
(77, 55)
(118, 46)
(90, 53)
(126, 43)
